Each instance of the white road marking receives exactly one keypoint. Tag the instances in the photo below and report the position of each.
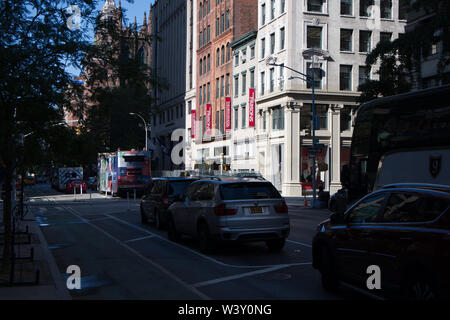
(364, 292)
(300, 243)
(243, 275)
(196, 252)
(154, 264)
(138, 239)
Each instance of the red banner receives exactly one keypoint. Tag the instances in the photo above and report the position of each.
(208, 120)
(193, 122)
(227, 113)
(251, 108)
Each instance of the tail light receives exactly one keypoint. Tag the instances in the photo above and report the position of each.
(282, 209)
(222, 210)
(165, 201)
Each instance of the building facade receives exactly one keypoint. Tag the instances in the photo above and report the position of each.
(342, 32)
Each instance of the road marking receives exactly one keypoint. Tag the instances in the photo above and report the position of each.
(364, 292)
(243, 275)
(300, 243)
(138, 239)
(196, 252)
(154, 264)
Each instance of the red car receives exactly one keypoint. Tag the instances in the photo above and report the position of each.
(77, 184)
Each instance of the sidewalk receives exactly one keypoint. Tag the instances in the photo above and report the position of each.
(51, 284)
(300, 202)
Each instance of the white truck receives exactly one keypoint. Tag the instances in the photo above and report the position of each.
(61, 176)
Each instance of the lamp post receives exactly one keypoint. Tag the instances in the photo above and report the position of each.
(307, 54)
(145, 126)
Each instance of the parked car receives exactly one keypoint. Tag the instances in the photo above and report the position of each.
(236, 210)
(403, 229)
(77, 184)
(160, 194)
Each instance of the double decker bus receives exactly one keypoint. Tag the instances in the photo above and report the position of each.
(400, 139)
(124, 171)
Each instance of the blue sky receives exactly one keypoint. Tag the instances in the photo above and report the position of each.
(134, 8)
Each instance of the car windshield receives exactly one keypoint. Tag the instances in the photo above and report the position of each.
(244, 191)
(177, 188)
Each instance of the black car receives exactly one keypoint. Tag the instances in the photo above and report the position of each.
(159, 195)
(403, 230)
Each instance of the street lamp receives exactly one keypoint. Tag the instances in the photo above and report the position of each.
(145, 126)
(308, 54)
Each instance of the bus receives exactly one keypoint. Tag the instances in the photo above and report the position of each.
(407, 132)
(123, 171)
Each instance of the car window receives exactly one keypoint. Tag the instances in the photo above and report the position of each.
(176, 188)
(190, 191)
(251, 190)
(411, 207)
(367, 210)
(158, 187)
(204, 192)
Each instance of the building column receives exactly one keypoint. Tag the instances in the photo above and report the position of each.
(292, 164)
(335, 166)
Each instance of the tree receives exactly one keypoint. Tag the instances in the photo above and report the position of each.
(36, 45)
(400, 60)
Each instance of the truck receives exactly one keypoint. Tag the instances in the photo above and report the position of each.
(123, 171)
(61, 176)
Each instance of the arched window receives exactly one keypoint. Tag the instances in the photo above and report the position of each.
(200, 13)
(141, 56)
(218, 57)
(209, 62)
(228, 52)
(204, 65)
(223, 54)
(201, 66)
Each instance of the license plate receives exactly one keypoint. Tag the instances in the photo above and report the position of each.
(256, 210)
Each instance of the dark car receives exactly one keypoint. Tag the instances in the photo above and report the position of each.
(404, 230)
(159, 195)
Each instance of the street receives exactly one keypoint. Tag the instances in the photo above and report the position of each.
(120, 258)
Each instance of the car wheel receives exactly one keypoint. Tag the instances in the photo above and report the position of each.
(330, 281)
(276, 244)
(206, 243)
(144, 219)
(172, 232)
(157, 220)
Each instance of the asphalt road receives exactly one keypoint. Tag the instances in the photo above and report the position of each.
(120, 258)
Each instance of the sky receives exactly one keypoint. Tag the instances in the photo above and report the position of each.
(134, 8)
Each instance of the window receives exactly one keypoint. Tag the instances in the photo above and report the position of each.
(227, 85)
(264, 120)
(263, 14)
(222, 23)
(404, 207)
(217, 88)
(208, 37)
(222, 86)
(347, 7)
(201, 66)
(346, 118)
(217, 27)
(385, 36)
(252, 51)
(314, 37)
(200, 43)
(244, 83)
(345, 77)
(367, 210)
(282, 77)
(346, 40)
(227, 20)
(209, 92)
(386, 9)
(243, 116)
(278, 118)
(272, 79)
(364, 6)
(209, 62)
(228, 52)
(364, 74)
(217, 121)
(236, 59)
(263, 75)
(222, 122)
(322, 114)
(223, 54)
(317, 75)
(282, 38)
(315, 5)
(272, 43)
(244, 55)
(204, 65)
(218, 57)
(263, 48)
(402, 9)
(201, 12)
(272, 9)
(236, 85)
(204, 94)
(282, 6)
(252, 78)
(365, 41)
(236, 118)
(200, 96)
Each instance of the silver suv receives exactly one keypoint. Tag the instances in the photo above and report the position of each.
(236, 210)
